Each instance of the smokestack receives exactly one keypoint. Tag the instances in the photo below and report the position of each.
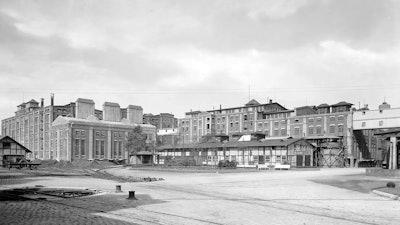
(42, 102)
(51, 99)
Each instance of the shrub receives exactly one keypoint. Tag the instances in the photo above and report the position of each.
(227, 164)
(181, 162)
(391, 185)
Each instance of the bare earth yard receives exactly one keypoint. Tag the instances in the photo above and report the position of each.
(326, 196)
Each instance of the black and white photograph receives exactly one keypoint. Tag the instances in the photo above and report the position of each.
(197, 112)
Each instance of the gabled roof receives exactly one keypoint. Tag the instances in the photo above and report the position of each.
(16, 142)
(342, 104)
(32, 101)
(323, 105)
(252, 102)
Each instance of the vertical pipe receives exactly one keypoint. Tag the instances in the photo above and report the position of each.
(394, 151)
(390, 156)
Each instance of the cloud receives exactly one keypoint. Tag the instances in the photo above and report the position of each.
(177, 55)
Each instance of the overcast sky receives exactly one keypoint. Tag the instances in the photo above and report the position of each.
(174, 56)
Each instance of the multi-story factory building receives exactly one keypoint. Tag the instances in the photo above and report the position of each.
(250, 118)
(31, 125)
(50, 132)
(161, 121)
(326, 126)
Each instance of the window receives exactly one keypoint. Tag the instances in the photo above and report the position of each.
(319, 119)
(297, 131)
(363, 124)
(311, 120)
(115, 152)
(276, 123)
(283, 132)
(276, 133)
(332, 129)
(82, 147)
(381, 123)
(310, 130)
(332, 119)
(340, 128)
(6, 145)
(319, 129)
(340, 118)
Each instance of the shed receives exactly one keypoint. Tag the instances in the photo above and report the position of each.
(11, 150)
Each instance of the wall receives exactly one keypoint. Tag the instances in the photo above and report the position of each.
(376, 119)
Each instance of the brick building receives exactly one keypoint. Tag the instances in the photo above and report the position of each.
(269, 118)
(161, 121)
(31, 125)
(51, 132)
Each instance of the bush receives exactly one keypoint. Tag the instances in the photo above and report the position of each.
(391, 185)
(227, 164)
(181, 162)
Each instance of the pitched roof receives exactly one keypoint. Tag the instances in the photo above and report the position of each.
(32, 101)
(342, 104)
(16, 142)
(252, 102)
(323, 105)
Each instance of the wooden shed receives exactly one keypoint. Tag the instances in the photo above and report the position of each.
(11, 151)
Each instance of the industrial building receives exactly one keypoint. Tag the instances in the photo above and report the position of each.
(57, 132)
(248, 151)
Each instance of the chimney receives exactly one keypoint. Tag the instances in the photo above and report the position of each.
(111, 112)
(84, 108)
(51, 99)
(135, 114)
(270, 101)
(41, 102)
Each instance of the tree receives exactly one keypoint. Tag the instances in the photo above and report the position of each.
(206, 138)
(136, 140)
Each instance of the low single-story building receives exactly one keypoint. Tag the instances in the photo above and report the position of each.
(295, 152)
(11, 151)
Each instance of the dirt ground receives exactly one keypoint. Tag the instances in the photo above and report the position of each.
(326, 196)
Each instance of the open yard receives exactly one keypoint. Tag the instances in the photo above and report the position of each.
(326, 196)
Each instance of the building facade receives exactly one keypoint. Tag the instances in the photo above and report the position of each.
(35, 127)
(250, 118)
(329, 127)
(245, 152)
(91, 138)
(31, 125)
(161, 121)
